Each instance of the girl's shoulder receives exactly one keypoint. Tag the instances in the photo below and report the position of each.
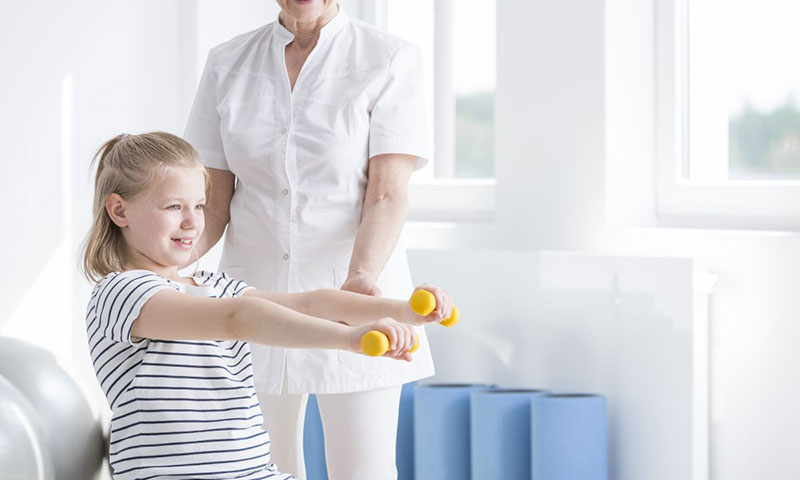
(224, 285)
(118, 289)
(128, 278)
(204, 277)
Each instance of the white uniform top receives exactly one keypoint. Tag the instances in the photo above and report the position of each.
(300, 158)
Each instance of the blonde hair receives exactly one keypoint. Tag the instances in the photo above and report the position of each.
(128, 165)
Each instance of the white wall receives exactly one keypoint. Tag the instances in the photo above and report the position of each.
(574, 109)
(575, 113)
(598, 189)
(621, 327)
(73, 76)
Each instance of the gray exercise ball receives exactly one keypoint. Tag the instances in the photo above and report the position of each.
(72, 434)
(23, 455)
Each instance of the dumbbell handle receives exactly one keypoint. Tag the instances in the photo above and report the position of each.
(423, 302)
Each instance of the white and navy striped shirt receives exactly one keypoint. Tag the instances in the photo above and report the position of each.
(180, 409)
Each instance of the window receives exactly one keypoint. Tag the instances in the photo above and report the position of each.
(728, 90)
(457, 39)
(743, 90)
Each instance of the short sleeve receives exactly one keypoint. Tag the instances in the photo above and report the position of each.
(225, 286)
(397, 122)
(120, 298)
(202, 129)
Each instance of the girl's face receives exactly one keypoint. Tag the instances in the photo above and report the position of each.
(164, 223)
(305, 11)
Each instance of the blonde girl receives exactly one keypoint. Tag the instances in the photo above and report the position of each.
(171, 352)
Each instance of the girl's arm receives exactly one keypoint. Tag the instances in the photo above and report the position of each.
(171, 315)
(356, 309)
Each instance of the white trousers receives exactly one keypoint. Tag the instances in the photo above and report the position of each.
(360, 430)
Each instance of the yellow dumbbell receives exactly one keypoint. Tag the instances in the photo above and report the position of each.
(375, 344)
(423, 302)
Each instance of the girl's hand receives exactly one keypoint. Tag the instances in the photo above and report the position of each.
(444, 306)
(401, 337)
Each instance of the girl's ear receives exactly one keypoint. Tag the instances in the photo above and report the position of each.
(117, 210)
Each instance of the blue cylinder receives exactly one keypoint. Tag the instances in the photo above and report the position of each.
(501, 433)
(314, 442)
(569, 438)
(405, 433)
(442, 431)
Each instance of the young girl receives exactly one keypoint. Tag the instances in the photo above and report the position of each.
(170, 352)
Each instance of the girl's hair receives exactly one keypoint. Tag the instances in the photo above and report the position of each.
(128, 165)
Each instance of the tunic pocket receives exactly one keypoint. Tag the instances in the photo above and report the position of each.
(355, 362)
(248, 132)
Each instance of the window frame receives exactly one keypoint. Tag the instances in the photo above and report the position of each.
(759, 205)
(443, 198)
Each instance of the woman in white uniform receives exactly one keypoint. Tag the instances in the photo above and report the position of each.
(311, 127)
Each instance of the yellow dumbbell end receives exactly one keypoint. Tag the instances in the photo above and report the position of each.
(414, 347)
(452, 319)
(422, 302)
(374, 343)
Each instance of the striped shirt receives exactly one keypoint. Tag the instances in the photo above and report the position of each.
(180, 409)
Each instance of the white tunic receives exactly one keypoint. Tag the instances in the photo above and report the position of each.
(300, 158)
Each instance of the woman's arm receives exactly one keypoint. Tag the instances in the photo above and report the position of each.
(382, 217)
(171, 315)
(217, 211)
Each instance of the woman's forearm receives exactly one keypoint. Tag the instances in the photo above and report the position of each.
(382, 215)
(382, 220)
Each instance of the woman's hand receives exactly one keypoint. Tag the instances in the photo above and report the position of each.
(444, 306)
(359, 282)
(401, 337)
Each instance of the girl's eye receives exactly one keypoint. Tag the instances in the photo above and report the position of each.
(200, 207)
(174, 207)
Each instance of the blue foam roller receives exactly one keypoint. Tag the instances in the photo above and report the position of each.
(314, 442)
(441, 431)
(405, 433)
(569, 438)
(501, 433)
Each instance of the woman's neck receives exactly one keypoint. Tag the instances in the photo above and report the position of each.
(306, 34)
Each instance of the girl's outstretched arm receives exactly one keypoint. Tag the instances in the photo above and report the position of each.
(356, 309)
(171, 315)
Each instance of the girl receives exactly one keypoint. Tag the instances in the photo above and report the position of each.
(170, 352)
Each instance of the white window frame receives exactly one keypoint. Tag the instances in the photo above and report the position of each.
(760, 205)
(443, 199)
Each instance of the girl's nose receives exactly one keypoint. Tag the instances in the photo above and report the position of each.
(191, 220)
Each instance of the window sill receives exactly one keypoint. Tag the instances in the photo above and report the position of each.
(462, 201)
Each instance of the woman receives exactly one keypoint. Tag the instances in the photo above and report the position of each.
(311, 127)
